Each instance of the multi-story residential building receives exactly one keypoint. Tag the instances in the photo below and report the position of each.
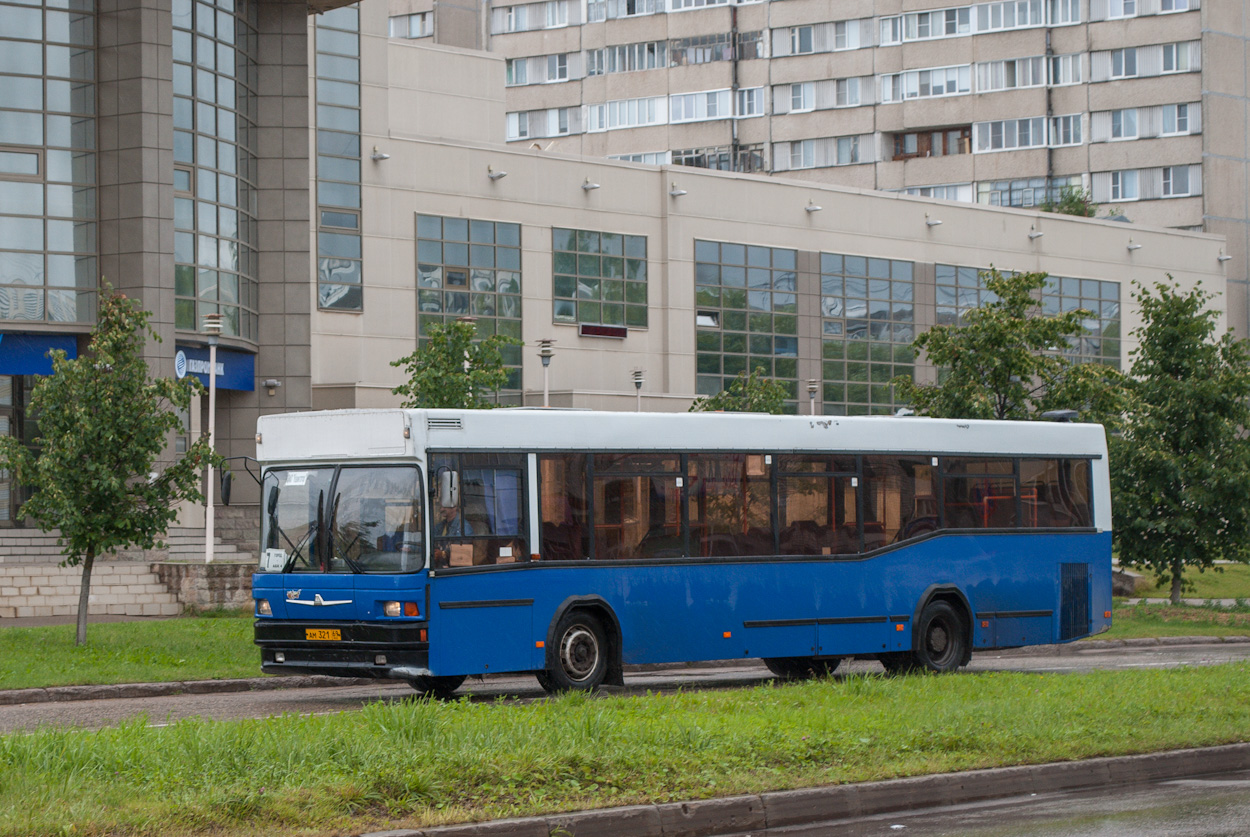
(1002, 103)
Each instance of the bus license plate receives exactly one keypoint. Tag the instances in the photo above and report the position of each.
(322, 633)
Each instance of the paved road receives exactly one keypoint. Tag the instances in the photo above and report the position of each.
(1209, 806)
(324, 700)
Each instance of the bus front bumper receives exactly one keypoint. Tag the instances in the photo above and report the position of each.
(363, 649)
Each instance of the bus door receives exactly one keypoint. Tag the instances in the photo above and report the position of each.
(481, 603)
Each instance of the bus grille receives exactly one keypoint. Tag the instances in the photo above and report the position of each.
(443, 424)
(1074, 601)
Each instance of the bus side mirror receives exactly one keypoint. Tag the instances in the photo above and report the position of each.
(227, 479)
(273, 501)
(448, 489)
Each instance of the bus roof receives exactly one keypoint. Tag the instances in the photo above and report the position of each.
(401, 434)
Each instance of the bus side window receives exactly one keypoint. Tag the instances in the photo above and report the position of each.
(1054, 493)
(562, 505)
(898, 499)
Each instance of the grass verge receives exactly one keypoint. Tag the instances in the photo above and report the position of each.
(1223, 581)
(417, 763)
(206, 647)
(220, 647)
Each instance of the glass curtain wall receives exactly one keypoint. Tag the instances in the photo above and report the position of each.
(47, 162)
(215, 201)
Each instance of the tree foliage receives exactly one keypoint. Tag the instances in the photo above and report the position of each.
(749, 393)
(1073, 200)
(453, 369)
(1181, 469)
(1005, 361)
(103, 425)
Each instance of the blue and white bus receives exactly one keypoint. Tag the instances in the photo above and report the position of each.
(431, 545)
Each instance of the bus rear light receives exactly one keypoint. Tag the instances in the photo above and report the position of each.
(1106, 614)
(279, 657)
(263, 608)
(425, 637)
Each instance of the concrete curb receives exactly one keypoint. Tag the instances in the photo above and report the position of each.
(58, 694)
(813, 810)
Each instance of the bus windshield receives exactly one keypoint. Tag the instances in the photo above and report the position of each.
(342, 520)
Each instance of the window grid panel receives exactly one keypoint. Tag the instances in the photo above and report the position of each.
(599, 278)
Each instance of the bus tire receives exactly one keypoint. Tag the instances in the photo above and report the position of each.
(802, 668)
(440, 688)
(580, 661)
(942, 638)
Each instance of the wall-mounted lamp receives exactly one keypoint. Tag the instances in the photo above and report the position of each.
(378, 156)
(1035, 234)
(1132, 246)
(495, 175)
(931, 222)
(1223, 257)
(812, 387)
(544, 353)
(271, 385)
(638, 373)
(812, 207)
(674, 192)
(588, 186)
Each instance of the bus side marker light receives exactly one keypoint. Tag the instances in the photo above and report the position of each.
(728, 634)
(410, 609)
(1106, 614)
(540, 644)
(425, 637)
(898, 627)
(985, 623)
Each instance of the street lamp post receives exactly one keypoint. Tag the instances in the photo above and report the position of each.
(212, 328)
(811, 393)
(638, 389)
(545, 352)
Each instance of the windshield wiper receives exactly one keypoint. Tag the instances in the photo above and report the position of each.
(333, 533)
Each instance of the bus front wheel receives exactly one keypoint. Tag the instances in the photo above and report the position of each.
(441, 688)
(581, 654)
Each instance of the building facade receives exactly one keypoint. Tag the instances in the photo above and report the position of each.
(1140, 104)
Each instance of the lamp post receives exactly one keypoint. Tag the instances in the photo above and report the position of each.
(638, 389)
(212, 328)
(811, 393)
(545, 352)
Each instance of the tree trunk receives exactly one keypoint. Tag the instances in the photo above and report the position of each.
(1177, 570)
(84, 593)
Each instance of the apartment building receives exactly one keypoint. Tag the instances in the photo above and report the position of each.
(1141, 103)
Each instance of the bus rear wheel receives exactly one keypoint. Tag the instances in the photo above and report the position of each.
(581, 655)
(943, 638)
(441, 688)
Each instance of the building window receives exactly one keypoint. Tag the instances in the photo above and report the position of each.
(1174, 6)
(627, 58)
(1025, 192)
(1101, 341)
(704, 49)
(1124, 124)
(750, 102)
(599, 278)
(938, 143)
(695, 107)
(1176, 58)
(1121, 8)
(801, 42)
(1010, 134)
(947, 192)
(846, 92)
(627, 113)
(1009, 14)
(1124, 185)
(1124, 62)
(420, 25)
(1063, 12)
(746, 158)
(1008, 75)
(802, 96)
(215, 78)
(1065, 69)
(868, 322)
(1065, 130)
(472, 268)
(747, 315)
(651, 158)
(1176, 119)
(924, 84)
(1175, 181)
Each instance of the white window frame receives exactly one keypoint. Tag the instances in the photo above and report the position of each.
(847, 151)
(749, 103)
(518, 125)
(1167, 7)
(1065, 70)
(1005, 134)
(516, 72)
(1125, 185)
(802, 97)
(1178, 115)
(797, 34)
(1179, 56)
(803, 154)
(1124, 58)
(558, 67)
(1169, 181)
(1063, 12)
(1066, 130)
(1124, 124)
(1119, 9)
(847, 92)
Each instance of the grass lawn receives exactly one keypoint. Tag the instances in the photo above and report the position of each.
(219, 647)
(416, 763)
(190, 648)
(1224, 581)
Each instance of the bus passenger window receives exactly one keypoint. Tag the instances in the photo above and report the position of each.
(729, 505)
(478, 515)
(817, 507)
(563, 507)
(979, 493)
(898, 494)
(1054, 493)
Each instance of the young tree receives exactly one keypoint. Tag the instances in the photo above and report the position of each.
(1180, 471)
(1005, 362)
(452, 370)
(1073, 200)
(102, 426)
(751, 393)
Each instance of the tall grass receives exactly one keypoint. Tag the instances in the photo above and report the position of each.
(418, 763)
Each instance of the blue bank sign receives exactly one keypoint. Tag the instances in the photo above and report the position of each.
(27, 354)
(235, 370)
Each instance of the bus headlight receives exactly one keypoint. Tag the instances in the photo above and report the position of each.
(400, 609)
(263, 608)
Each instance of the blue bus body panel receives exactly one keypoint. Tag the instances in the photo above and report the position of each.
(495, 620)
(344, 597)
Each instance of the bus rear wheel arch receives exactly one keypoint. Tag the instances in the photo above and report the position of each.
(941, 642)
(580, 654)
